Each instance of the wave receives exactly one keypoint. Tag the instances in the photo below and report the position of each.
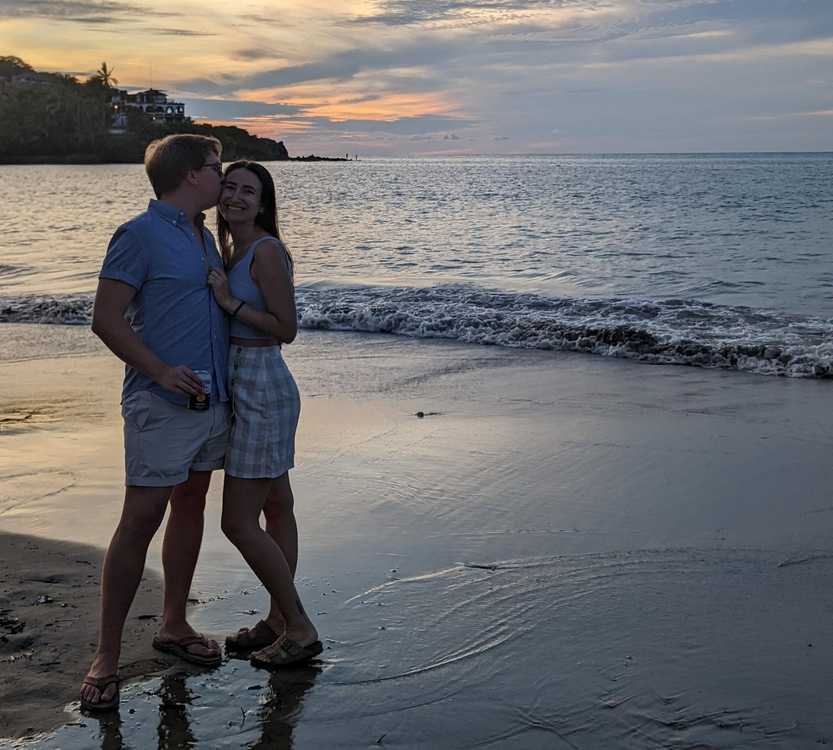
(72, 309)
(670, 331)
(10, 270)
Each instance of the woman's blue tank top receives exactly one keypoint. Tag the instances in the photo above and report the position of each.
(244, 288)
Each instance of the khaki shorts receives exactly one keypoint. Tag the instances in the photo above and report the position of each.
(163, 441)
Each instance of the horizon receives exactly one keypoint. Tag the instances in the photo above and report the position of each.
(391, 78)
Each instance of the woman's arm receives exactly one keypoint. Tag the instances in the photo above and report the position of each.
(272, 277)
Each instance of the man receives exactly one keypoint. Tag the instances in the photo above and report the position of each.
(155, 311)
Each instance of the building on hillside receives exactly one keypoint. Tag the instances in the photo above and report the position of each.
(154, 103)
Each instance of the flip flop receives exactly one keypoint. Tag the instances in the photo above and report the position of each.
(101, 684)
(249, 639)
(179, 647)
(285, 652)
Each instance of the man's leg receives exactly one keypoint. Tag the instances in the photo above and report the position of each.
(124, 563)
(180, 551)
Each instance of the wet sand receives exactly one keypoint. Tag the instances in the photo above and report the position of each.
(566, 551)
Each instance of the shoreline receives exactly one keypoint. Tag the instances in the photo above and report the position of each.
(88, 159)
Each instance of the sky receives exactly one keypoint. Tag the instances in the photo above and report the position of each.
(452, 77)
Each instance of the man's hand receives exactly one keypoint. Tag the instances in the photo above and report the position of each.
(180, 379)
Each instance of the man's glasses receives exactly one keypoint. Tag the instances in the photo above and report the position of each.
(217, 166)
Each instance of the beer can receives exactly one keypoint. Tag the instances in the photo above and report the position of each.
(201, 401)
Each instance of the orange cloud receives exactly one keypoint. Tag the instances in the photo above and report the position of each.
(320, 100)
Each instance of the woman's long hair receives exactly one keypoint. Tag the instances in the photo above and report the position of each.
(267, 217)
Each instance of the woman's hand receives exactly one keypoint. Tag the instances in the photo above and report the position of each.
(218, 281)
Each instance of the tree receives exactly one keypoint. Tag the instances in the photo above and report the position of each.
(104, 76)
(11, 66)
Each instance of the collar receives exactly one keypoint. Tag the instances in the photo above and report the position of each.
(173, 214)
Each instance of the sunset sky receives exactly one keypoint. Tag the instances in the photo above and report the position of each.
(393, 77)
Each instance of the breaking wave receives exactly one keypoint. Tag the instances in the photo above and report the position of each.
(669, 331)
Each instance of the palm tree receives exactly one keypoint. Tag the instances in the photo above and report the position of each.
(104, 76)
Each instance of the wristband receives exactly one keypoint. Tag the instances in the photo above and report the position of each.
(237, 309)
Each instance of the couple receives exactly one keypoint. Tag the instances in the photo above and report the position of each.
(205, 388)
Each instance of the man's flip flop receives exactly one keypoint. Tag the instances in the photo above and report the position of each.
(179, 647)
(248, 639)
(101, 684)
(285, 652)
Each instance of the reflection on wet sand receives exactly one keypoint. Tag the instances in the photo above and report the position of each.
(282, 706)
(277, 716)
(174, 704)
(110, 733)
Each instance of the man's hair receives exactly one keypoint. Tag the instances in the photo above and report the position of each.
(168, 160)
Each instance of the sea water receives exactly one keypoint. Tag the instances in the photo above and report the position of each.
(707, 260)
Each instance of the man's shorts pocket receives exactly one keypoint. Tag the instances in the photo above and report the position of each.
(136, 409)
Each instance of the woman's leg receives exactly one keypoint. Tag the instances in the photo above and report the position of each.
(243, 501)
(280, 519)
(282, 527)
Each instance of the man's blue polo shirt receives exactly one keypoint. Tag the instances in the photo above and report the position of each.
(174, 312)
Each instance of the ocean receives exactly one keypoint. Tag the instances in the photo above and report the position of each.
(721, 261)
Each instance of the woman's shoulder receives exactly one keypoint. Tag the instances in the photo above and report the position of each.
(266, 249)
(268, 242)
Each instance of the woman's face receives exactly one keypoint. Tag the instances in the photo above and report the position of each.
(240, 196)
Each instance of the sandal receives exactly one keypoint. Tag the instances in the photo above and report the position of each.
(180, 647)
(285, 652)
(248, 639)
(101, 684)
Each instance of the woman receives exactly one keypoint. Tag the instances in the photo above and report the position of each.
(257, 292)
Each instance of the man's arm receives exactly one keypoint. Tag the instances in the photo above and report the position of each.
(111, 301)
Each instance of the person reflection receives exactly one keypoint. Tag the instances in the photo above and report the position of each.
(281, 709)
(174, 730)
(110, 733)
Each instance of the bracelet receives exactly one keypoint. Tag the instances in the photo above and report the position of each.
(237, 309)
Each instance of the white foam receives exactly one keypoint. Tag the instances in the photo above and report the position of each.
(674, 331)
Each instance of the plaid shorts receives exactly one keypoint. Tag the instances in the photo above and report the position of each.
(266, 406)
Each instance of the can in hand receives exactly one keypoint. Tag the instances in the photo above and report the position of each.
(201, 401)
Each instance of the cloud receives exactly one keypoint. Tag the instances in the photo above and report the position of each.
(176, 32)
(203, 86)
(610, 74)
(385, 65)
(229, 109)
(78, 11)
(346, 65)
(411, 12)
(418, 125)
(649, 29)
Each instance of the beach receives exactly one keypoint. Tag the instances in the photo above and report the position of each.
(565, 550)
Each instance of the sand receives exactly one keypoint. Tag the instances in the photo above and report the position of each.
(48, 608)
(565, 551)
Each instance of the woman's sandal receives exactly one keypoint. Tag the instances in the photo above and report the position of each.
(181, 647)
(249, 639)
(285, 652)
(101, 684)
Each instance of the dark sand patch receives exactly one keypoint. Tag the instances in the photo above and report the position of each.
(49, 594)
